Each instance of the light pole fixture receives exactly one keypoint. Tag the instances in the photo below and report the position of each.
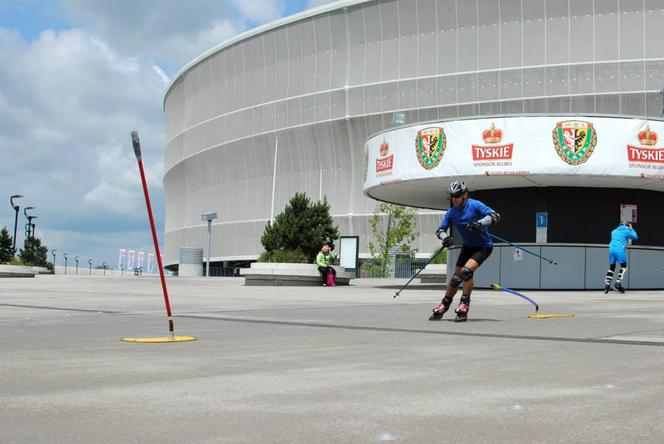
(25, 213)
(90, 262)
(76, 260)
(53, 253)
(65, 256)
(16, 207)
(209, 217)
(103, 264)
(31, 232)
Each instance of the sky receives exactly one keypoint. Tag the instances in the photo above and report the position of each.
(76, 77)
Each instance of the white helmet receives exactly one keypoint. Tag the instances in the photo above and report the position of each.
(456, 188)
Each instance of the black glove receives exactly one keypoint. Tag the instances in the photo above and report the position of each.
(447, 242)
(474, 226)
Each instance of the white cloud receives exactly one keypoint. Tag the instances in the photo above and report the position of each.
(69, 99)
(162, 75)
(260, 11)
(67, 105)
(315, 3)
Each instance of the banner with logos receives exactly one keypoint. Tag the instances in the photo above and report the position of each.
(520, 146)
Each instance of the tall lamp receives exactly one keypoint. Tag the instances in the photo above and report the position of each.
(209, 217)
(16, 207)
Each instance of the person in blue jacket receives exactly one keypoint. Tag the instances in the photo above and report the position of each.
(618, 254)
(470, 218)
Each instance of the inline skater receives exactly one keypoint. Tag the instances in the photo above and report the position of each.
(618, 254)
(471, 218)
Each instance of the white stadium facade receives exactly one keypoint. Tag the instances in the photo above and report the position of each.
(308, 103)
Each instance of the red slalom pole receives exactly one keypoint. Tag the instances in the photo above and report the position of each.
(137, 151)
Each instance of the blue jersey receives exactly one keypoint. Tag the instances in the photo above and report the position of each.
(471, 211)
(619, 238)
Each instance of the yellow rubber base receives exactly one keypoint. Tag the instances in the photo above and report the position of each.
(160, 340)
(547, 316)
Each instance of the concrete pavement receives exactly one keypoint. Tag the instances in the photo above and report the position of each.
(308, 364)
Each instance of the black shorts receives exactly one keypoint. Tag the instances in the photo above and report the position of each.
(478, 254)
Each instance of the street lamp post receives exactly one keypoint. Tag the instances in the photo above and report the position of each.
(25, 213)
(76, 259)
(90, 262)
(209, 217)
(32, 233)
(103, 264)
(65, 256)
(16, 207)
(53, 253)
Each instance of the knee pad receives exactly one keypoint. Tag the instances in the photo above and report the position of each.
(456, 281)
(466, 274)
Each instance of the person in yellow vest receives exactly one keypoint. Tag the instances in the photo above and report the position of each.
(324, 261)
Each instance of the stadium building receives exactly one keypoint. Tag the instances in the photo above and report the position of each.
(344, 100)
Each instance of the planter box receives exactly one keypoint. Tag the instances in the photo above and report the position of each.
(434, 274)
(16, 271)
(282, 274)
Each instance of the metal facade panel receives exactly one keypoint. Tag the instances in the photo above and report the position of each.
(488, 87)
(557, 80)
(524, 273)
(510, 84)
(607, 37)
(654, 29)
(644, 269)
(534, 82)
(511, 44)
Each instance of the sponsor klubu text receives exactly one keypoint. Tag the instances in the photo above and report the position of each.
(638, 154)
(500, 152)
(384, 164)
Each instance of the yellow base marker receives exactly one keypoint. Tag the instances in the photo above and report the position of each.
(160, 340)
(537, 314)
(547, 316)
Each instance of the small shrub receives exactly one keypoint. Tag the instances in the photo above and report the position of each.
(441, 258)
(285, 256)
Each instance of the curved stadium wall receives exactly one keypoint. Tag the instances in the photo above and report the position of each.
(287, 107)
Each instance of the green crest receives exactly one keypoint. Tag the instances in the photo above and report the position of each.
(430, 145)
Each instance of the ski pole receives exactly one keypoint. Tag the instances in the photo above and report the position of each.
(137, 151)
(523, 249)
(516, 293)
(419, 271)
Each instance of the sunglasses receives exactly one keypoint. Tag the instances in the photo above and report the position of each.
(454, 196)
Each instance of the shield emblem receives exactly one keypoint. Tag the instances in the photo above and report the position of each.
(430, 145)
(574, 140)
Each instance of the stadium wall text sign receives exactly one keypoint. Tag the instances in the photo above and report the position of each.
(521, 145)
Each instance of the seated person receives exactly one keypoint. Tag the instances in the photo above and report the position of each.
(324, 261)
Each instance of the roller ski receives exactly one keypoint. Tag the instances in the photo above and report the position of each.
(607, 288)
(620, 288)
(438, 312)
(462, 312)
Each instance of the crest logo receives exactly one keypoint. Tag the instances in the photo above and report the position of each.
(385, 162)
(430, 145)
(645, 151)
(574, 140)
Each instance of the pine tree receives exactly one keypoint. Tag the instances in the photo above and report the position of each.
(302, 227)
(33, 253)
(6, 249)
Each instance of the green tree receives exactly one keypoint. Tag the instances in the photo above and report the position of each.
(392, 228)
(6, 248)
(34, 253)
(300, 230)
